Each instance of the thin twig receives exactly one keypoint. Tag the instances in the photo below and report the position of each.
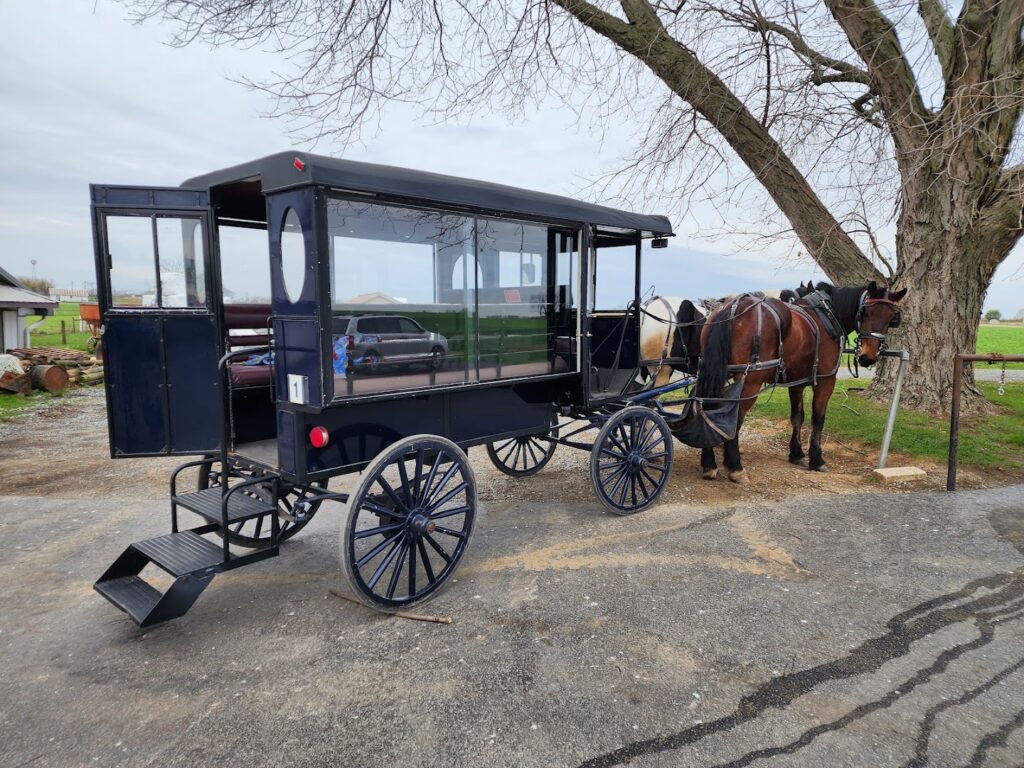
(397, 614)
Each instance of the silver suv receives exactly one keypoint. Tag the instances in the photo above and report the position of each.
(392, 340)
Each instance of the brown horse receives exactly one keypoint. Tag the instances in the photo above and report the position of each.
(761, 341)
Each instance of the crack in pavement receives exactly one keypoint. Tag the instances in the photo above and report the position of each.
(1002, 603)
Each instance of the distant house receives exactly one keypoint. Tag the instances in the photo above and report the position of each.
(16, 304)
(374, 297)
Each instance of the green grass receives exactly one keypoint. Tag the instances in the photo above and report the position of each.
(12, 405)
(1007, 338)
(48, 334)
(992, 442)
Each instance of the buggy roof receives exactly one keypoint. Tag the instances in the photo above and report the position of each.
(277, 172)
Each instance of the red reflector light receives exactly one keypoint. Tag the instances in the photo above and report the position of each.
(319, 437)
(299, 165)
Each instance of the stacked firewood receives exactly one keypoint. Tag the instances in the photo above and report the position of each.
(51, 369)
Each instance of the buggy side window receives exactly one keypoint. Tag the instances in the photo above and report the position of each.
(394, 268)
(156, 261)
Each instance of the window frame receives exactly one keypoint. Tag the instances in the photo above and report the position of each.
(210, 264)
(580, 232)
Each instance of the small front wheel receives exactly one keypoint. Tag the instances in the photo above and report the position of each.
(409, 522)
(522, 456)
(631, 460)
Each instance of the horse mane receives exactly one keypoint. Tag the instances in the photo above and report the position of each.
(845, 301)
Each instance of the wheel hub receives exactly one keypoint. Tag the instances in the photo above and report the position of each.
(420, 525)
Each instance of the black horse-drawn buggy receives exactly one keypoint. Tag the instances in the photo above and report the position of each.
(401, 318)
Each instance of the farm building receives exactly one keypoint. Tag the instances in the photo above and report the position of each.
(17, 303)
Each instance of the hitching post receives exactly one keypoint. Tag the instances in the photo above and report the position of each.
(894, 405)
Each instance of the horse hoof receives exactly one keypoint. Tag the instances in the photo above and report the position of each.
(820, 468)
(710, 474)
(740, 477)
(800, 461)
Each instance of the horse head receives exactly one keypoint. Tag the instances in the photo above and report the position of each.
(877, 312)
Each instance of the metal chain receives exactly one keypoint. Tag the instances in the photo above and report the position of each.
(1002, 381)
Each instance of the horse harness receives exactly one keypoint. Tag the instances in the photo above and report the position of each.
(821, 307)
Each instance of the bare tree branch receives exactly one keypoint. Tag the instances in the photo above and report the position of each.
(874, 38)
(678, 67)
(940, 31)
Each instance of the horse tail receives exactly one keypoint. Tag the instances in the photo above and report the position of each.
(713, 369)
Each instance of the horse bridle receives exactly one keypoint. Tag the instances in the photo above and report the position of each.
(894, 322)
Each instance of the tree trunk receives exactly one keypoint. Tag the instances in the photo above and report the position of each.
(946, 263)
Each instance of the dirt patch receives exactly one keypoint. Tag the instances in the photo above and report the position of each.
(61, 450)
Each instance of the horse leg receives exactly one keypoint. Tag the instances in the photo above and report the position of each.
(708, 465)
(819, 404)
(733, 460)
(733, 455)
(796, 418)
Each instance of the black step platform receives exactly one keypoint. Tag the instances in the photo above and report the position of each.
(208, 503)
(186, 555)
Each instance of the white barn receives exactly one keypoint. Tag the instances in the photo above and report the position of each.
(16, 304)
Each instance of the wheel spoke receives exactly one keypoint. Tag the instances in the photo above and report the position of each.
(418, 477)
(391, 493)
(427, 500)
(430, 477)
(388, 558)
(373, 553)
(426, 561)
(412, 570)
(618, 483)
(448, 496)
(377, 509)
(649, 479)
(450, 532)
(437, 547)
(533, 455)
(615, 472)
(380, 530)
(511, 445)
(609, 452)
(451, 512)
(397, 570)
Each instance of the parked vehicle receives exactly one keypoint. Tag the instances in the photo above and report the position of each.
(375, 341)
(501, 280)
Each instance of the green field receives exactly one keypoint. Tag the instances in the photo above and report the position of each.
(993, 442)
(1007, 338)
(48, 334)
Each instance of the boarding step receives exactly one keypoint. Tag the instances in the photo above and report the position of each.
(209, 502)
(186, 555)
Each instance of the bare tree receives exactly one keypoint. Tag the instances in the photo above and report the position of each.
(852, 116)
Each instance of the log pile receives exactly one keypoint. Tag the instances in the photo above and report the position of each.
(52, 370)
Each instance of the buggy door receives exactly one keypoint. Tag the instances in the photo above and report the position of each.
(156, 291)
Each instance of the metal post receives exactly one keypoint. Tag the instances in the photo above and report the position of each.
(63, 333)
(954, 410)
(894, 405)
(954, 421)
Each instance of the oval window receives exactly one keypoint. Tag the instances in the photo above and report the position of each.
(293, 256)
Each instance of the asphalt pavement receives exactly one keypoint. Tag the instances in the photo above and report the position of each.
(864, 630)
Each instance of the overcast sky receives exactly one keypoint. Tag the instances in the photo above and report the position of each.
(88, 97)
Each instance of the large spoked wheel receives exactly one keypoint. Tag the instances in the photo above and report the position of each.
(631, 460)
(523, 456)
(256, 532)
(409, 522)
